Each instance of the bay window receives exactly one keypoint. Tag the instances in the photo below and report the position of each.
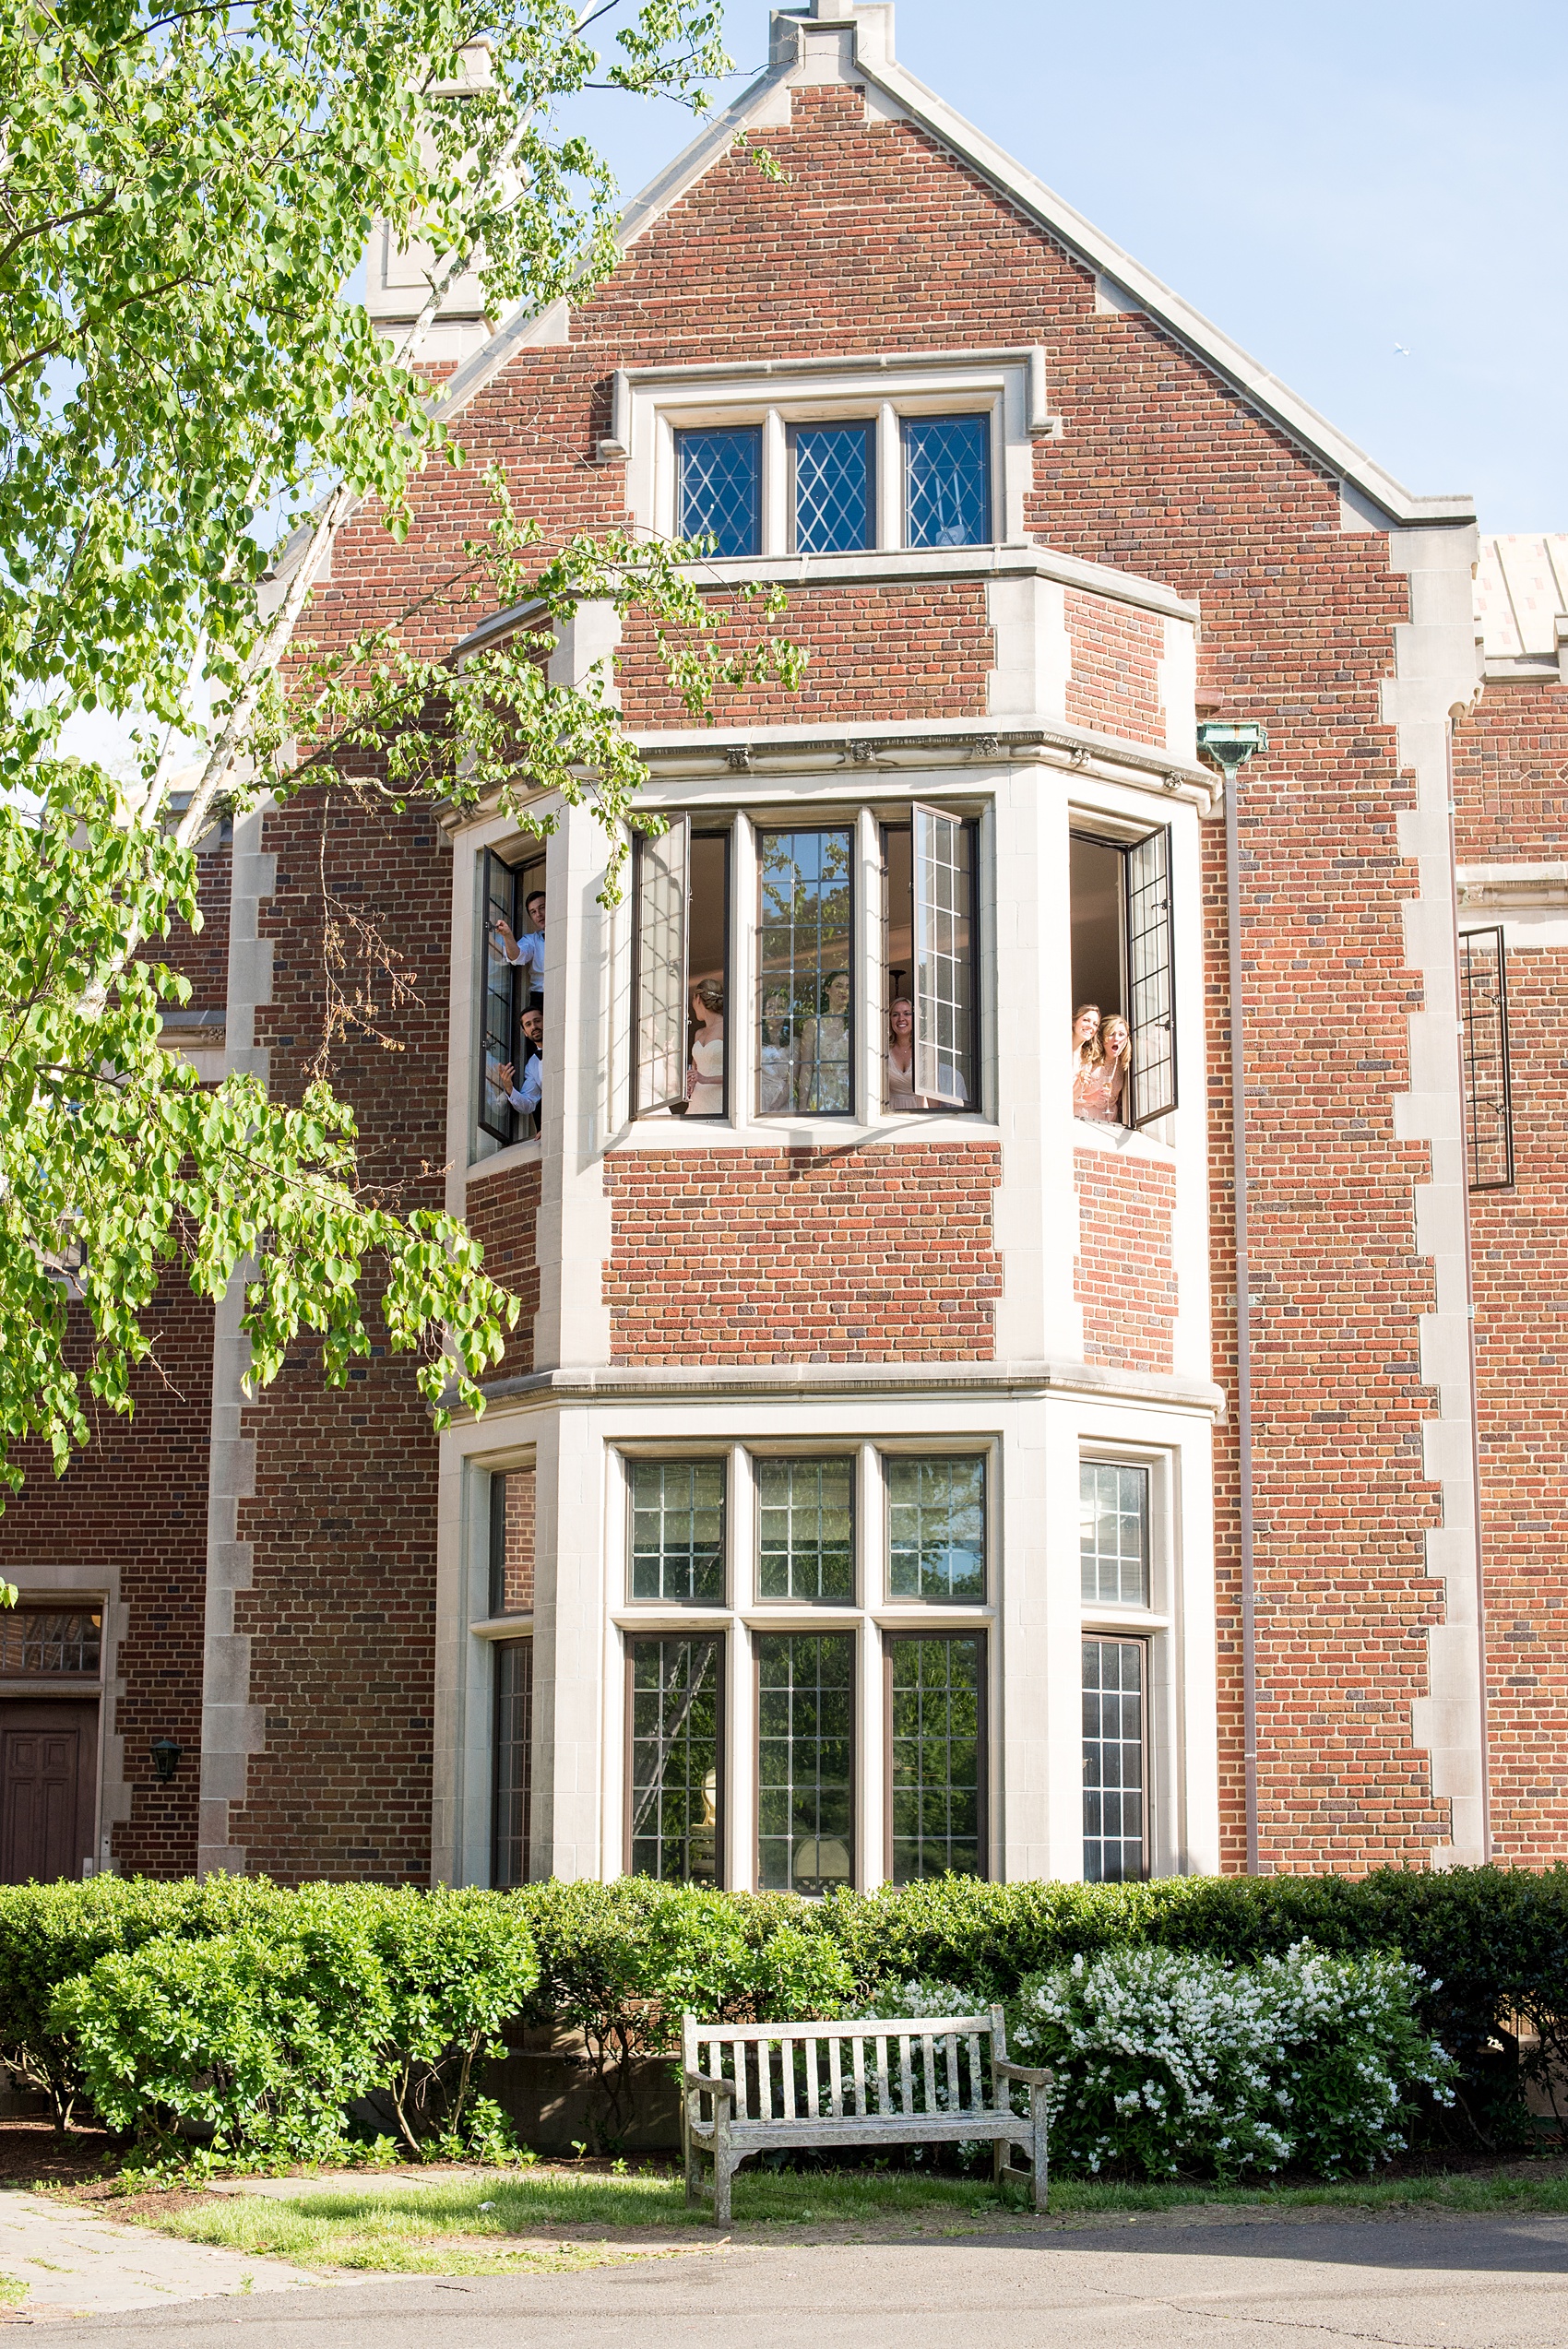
(805, 962)
(675, 1693)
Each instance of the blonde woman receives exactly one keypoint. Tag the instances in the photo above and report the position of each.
(1105, 1086)
(705, 1072)
(1086, 1051)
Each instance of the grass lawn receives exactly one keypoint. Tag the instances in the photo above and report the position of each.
(495, 2222)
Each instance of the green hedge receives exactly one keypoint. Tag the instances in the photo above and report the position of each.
(620, 1961)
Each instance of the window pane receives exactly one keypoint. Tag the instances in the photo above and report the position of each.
(948, 480)
(944, 1040)
(1113, 1533)
(805, 1762)
(936, 1757)
(663, 866)
(706, 937)
(1150, 977)
(1488, 1109)
(832, 487)
(936, 1529)
(804, 995)
(806, 1546)
(678, 1530)
(511, 1542)
(514, 1763)
(675, 1759)
(720, 475)
(501, 1007)
(1113, 1761)
(44, 1640)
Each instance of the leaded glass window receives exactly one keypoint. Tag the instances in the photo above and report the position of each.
(805, 1762)
(720, 487)
(1151, 977)
(675, 1756)
(45, 1639)
(1114, 1761)
(1113, 1530)
(678, 1530)
(948, 480)
(936, 1757)
(805, 995)
(943, 889)
(1488, 1105)
(835, 513)
(935, 1528)
(502, 1005)
(663, 890)
(510, 1815)
(806, 1529)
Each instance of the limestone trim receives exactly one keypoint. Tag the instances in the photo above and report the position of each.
(232, 1728)
(1435, 677)
(642, 1380)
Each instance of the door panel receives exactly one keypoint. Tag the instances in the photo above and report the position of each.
(48, 1789)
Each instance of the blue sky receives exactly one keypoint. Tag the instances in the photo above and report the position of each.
(1372, 199)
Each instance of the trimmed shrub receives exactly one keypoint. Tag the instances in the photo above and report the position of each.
(1167, 2061)
(264, 2037)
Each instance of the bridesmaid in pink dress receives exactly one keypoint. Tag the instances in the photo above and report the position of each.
(1086, 1051)
(1105, 1084)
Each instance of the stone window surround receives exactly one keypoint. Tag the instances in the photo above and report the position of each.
(649, 405)
(72, 1585)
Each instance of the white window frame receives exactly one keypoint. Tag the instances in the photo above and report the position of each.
(1004, 386)
(1156, 1624)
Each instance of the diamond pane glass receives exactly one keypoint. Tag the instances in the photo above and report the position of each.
(678, 1530)
(936, 1757)
(1113, 1533)
(806, 1529)
(833, 488)
(948, 480)
(805, 1699)
(720, 477)
(936, 1529)
(675, 1760)
(1113, 1761)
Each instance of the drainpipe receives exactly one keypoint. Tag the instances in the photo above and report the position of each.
(1229, 747)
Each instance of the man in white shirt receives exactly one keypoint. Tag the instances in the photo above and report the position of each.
(527, 1094)
(526, 953)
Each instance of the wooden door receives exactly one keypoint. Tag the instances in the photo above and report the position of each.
(48, 1789)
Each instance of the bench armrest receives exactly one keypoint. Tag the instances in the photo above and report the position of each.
(1028, 2075)
(714, 2087)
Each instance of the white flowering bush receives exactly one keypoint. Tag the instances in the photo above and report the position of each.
(1169, 2062)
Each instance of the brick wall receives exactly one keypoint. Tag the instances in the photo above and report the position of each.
(517, 1543)
(1511, 786)
(1125, 1278)
(875, 1255)
(1114, 686)
(503, 1211)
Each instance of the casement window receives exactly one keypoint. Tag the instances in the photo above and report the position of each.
(935, 1528)
(1123, 964)
(512, 1754)
(945, 463)
(1488, 1101)
(1115, 1677)
(929, 867)
(838, 1699)
(806, 1715)
(681, 936)
(805, 972)
(806, 1529)
(509, 988)
(1113, 1522)
(677, 1520)
(936, 1746)
(675, 1753)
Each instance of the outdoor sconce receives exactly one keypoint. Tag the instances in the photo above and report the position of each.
(165, 1759)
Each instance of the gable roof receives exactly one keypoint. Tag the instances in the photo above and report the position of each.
(852, 40)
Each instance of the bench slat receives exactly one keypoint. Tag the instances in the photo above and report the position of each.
(916, 2129)
(726, 2035)
(835, 2080)
(859, 2059)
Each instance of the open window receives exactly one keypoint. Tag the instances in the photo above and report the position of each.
(682, 935)
(514, 911)
(932, 1050)
(1124, 968)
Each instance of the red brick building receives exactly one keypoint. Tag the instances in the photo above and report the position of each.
(884, 1476)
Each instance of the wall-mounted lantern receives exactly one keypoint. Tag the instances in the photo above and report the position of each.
(165, 1759)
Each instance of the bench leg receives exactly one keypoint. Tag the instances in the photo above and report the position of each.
(1039, 2131)
(688, 2148)
(1001, 2158)
(723, 2162)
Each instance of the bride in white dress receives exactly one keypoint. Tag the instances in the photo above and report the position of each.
(705, 1078)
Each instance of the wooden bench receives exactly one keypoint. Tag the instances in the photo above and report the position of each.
(747, 2087)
